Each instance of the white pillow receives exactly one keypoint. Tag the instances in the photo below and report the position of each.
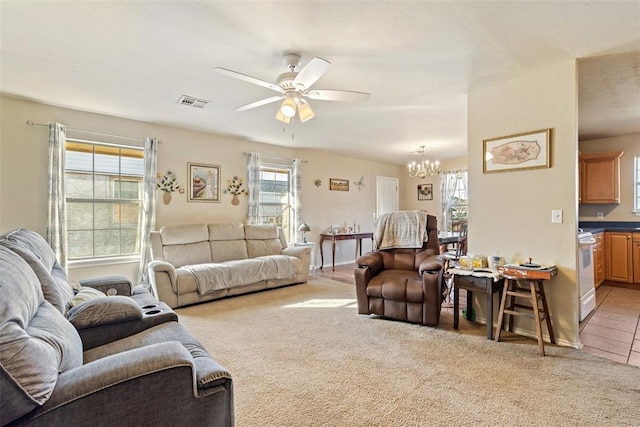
(85, 294)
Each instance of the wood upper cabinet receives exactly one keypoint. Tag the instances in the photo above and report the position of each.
(619, 257)
(598, 258)
(636, 257)
(600, 178)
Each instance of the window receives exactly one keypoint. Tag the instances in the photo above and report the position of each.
(455, 199)
(104, 199)
(636, 186)
(275, 198)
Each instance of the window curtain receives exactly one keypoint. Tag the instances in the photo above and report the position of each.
(448, 183)
(148, 211)
(296, 192)
(253, 186)
(56, 234)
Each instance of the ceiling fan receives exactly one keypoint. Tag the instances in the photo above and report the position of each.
(294, 87)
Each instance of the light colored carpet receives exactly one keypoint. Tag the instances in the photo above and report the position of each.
(302, 356)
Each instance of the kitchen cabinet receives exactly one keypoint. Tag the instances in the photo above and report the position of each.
(600, 178)
(619, 257)
(598, 258)
(636, 257)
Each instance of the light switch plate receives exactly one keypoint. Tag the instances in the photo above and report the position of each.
(556, 216)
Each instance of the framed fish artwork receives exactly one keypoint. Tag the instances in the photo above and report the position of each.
(523, 151)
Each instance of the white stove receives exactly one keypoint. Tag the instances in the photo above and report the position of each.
(586, 276)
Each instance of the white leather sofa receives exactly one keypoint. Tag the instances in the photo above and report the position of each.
(199, 262)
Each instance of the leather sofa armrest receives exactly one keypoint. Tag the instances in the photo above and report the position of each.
(433, 264)
(372, 260)
(109, 284)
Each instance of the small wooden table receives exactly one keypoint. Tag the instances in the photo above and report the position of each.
(342, 236)
(475, 284)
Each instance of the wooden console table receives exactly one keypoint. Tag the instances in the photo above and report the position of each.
(342, 236)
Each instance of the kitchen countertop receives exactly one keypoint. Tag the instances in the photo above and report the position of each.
(602, 226)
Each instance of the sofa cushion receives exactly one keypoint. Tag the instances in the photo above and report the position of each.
(36, 341)
(226, 231)
(262, 240)
(187, 254)
(103, 311)
(260, 232)
(182, 234)
(227, 242)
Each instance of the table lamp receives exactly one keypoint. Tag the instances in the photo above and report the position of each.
(304, 227)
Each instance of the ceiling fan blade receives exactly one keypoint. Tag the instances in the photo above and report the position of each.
(338, 95)
(259, 103)
(249, 79)
(311, 73)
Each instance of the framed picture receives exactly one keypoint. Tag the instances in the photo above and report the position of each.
(530, 150)
(425, 191)
(204, 183)
(338, 184)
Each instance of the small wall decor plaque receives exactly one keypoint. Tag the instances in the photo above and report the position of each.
(425, 191)
(338, 184)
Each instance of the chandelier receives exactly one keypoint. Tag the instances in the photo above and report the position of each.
(424, 168)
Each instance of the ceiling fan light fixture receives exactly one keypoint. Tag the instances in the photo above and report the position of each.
(304, 111)
(282, 117)
(288, 107)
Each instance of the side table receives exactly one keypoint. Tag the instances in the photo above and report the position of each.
(486, 285)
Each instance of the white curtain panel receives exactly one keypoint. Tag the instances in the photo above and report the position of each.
(148, 211)
(253, 186)
(56, 233)
(296, 192)
(449, 180)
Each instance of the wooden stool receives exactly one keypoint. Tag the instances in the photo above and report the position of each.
(513, 290)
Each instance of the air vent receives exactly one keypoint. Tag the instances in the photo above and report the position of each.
(190, 101)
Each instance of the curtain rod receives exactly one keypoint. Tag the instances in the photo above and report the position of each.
(275, 157)
(31, 123)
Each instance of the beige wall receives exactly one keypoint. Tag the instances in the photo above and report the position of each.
(511, 211)
(630, 144)
(23, 175)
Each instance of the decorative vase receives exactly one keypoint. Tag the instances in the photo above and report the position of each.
(235, 201)
(166, 197)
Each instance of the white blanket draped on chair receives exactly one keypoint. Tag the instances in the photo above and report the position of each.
(401, 229)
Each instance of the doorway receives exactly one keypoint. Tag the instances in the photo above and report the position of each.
(386, 195)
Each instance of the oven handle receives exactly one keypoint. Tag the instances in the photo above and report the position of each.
(585, 242)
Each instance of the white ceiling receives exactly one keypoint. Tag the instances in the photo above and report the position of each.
(419, 60)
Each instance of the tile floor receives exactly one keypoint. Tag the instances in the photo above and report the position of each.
(612, 330)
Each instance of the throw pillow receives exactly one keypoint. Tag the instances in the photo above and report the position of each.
(85, 294)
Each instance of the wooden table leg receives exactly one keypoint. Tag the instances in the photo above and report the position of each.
(456, 304)
(536, 315)
(321, 254)
(503, 303)
(546, 311)
(490, 311)
(333, 255)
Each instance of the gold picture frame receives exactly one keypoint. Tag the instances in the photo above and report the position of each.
(203, 183)
(337, 184)
(522, 151)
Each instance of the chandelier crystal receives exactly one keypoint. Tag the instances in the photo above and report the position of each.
(423, 168)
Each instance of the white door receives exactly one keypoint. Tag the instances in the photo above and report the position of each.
(386, 195)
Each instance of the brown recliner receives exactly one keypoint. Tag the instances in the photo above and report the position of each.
(402, 284)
